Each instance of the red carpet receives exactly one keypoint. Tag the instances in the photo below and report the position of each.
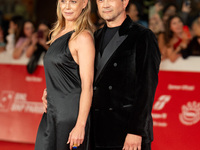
(15, 146)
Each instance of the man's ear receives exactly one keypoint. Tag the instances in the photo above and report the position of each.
(125, 3)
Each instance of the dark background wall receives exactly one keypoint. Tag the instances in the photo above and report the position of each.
(45, 10)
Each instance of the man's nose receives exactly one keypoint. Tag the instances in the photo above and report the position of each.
(106, 3)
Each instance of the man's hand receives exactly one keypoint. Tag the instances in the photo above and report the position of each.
(132, 142)
(44, 100)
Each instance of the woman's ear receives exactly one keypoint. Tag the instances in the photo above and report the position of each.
(85, 2)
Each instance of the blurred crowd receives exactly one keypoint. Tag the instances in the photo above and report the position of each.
(176, 28)
(23, 39)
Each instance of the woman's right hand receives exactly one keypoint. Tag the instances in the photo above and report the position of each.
(44, 100)
(76, 136)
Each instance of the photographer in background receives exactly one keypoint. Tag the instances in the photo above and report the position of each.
(39, 40)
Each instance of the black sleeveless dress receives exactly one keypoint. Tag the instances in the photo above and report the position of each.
(63, 95)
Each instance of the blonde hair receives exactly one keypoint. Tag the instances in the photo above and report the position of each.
(82, 23)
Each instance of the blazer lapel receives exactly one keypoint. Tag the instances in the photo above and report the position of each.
(112, 46)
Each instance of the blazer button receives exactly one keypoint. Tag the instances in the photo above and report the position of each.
(110, 109)
(110, 87)
(115, 64)
(94, 88)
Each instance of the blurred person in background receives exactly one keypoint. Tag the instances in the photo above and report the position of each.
(185, 11)
(175, 38)
(193, 48)
(169, 10)
(196, 26)
(25, 43)
(2, 42)
(172, 9)
(15, 27)
(133, 11)
(155, 21)
(159, 14)
(39, 40)
(194, 13)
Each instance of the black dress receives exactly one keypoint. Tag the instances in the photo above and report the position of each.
(63, 95)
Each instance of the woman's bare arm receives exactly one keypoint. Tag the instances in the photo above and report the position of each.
(85, 58)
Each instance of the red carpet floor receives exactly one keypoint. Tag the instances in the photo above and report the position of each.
(15, 146)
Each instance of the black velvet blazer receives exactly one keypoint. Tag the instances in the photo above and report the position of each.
(125, 83)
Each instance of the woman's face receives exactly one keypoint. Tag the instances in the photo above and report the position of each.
(71, 9)
(176, 25)
(28, 29)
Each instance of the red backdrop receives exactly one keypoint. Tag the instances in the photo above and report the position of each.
(20, 102)
(176, 110)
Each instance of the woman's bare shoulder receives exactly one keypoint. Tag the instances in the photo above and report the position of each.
(85, 35)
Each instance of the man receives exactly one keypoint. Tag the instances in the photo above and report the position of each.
(127, 65)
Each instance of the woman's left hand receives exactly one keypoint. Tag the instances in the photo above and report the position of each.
(76, 136)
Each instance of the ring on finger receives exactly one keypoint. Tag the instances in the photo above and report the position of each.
(75, 146)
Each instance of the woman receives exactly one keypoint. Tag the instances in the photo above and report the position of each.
(69, 69)
(175, 38)
(23, 44)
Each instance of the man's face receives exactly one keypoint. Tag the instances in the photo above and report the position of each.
(110, 10)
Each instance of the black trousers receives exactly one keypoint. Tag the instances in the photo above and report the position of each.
(145, 146)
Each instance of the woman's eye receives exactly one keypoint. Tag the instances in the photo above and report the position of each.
(74, 2)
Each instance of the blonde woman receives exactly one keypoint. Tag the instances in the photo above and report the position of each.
(69, 69)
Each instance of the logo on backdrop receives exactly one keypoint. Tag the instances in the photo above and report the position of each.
(159, 118)
(162, 100)
(6, 98)
(190, 113)
(17, 102)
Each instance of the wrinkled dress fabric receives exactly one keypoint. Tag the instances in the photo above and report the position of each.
(63, 94)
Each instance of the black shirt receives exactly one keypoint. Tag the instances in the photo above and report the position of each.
(109, 33)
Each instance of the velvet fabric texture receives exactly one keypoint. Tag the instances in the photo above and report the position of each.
(126, 77)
